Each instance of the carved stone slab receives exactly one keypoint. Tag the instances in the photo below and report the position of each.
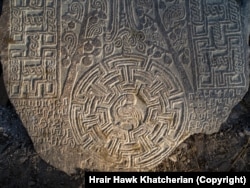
(118, 85)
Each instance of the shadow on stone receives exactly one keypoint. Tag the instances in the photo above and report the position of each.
(1, 6)
(4, 100)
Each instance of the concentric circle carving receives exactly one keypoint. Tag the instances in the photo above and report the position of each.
(128, 112)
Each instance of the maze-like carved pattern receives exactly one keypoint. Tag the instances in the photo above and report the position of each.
(111, 84)
(218, 43)
(128, 109)
(33, 51)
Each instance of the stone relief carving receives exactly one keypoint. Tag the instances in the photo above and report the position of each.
(118, 85)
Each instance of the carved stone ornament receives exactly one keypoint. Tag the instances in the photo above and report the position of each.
(117, 85)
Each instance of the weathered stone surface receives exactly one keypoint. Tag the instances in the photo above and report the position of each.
(118, 85)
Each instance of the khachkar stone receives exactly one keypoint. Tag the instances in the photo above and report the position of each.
(118, 85)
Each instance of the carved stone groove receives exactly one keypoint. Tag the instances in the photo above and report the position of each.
(119, 84)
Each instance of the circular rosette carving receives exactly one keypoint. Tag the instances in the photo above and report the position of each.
(129, 112)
